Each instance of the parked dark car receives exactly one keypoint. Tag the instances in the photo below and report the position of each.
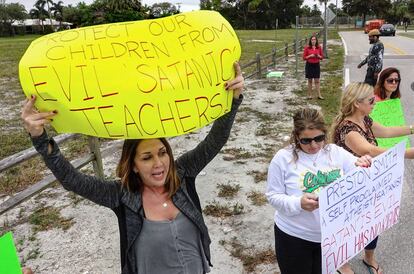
(387, 29)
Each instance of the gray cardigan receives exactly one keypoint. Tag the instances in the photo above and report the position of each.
(127, 205)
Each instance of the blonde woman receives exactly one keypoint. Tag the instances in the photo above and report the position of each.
(356, 132)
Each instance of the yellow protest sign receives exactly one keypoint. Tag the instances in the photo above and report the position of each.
(141, 79)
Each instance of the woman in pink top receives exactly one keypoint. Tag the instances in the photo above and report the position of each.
(388, 85)
(313, 55)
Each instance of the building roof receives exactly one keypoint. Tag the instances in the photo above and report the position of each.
(36, 22)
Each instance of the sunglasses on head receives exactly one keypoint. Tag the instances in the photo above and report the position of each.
(393, 80)
(317, 139)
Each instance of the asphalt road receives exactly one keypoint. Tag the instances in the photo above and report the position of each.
(395, 250)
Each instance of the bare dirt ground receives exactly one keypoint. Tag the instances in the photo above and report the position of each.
(243, 242)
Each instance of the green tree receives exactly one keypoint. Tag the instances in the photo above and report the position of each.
(57, 10)
(48, 3)
(357, 7)
(123, 5)
(256, 14)
(305, 11)
(315, 11)
(163, 9)
(399, 11)
(9, 13)
(212, 5)
(38, 12)
(121, 10)
(410, 7)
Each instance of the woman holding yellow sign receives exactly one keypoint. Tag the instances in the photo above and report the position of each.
(161, 226)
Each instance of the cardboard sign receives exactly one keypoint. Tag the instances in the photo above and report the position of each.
(141, 79)
(359, 206)
(9, 262)
(389, 113)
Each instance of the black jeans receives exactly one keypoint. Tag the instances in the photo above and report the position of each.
(297, 256)
(370, 78)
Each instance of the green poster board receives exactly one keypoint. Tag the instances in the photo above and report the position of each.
(389, 113)
(9, 262)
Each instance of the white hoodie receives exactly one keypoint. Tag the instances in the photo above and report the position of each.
(288, 180)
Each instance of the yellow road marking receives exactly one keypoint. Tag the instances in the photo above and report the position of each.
(396, 49)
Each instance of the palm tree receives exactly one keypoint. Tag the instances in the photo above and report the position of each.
(57, 10)
(38, 12)
(47, 3)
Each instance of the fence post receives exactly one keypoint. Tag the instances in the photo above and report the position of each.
(298, 43)
(294, 47)
(274, 56)
(286, 51)
(259, 66)
(97, 162)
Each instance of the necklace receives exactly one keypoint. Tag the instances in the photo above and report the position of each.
(156, 196)
(312, 159)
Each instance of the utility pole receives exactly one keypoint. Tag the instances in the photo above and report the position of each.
(325, 36)
(336, 17)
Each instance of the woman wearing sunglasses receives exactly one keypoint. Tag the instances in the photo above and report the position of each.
(388, 85)
(296, 175)
(355, 131)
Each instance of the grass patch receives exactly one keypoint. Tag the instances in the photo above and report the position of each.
(248, 255)
(228, 190)
(46, 218)
(259, 176)
(280, 36)
(76, 199)
(216, 209)
(13, 141)
(15, 48)
(236, 154)
(263, 116)
(18, 178)
(293, 101)
(257, 198)
(76, 147)
(33, 254)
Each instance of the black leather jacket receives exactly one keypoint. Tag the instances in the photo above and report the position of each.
(127, 205)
